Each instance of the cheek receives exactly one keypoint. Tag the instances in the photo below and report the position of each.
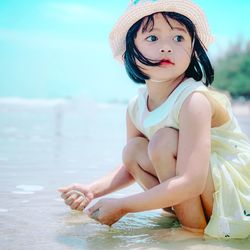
(148, 51)
(141, 66)
(183, 58)
(184, 54)
(188, 50)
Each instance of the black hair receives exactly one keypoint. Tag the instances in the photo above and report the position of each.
(199, 66)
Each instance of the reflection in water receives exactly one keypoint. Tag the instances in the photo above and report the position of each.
(140, 231)
(134, 231)
(147, 231)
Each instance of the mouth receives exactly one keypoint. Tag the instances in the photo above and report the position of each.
(166, 62)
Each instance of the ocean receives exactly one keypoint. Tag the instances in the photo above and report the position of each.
(48, 144)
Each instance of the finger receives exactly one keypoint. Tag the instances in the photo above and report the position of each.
(80, 194)
(71, 192)
(77, 202)
(65, 195)
(71, 199)
(65, 189)
(81, 206)
(62, 189)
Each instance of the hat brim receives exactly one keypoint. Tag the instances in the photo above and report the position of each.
(137, 11)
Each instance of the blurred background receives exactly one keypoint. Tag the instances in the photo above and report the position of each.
(59, 49)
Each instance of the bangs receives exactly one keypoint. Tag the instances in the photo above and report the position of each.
(147, 23)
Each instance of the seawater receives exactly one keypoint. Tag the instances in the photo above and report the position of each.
(48, 144)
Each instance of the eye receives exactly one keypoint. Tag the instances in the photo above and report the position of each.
(178, 38)
(152, 38)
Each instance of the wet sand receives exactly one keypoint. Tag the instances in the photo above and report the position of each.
(45, 146)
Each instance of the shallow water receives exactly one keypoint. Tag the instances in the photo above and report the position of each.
(43, 147)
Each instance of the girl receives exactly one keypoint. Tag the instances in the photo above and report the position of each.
(184, 145)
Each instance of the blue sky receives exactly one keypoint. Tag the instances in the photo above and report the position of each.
(54, 49)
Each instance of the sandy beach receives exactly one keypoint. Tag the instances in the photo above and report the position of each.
(48, 144)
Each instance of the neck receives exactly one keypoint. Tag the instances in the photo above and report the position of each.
(159, 91)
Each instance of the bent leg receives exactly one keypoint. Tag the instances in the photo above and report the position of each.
(163, 154)
(204, 201)
(137, 163)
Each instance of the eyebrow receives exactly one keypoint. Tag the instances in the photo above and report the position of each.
(180, 29)
(173, 28)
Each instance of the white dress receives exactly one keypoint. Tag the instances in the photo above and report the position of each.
(229, 160)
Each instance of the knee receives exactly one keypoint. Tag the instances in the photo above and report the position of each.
(164, 144)
(130, 151)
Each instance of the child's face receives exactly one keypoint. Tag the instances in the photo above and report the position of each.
(172, 44)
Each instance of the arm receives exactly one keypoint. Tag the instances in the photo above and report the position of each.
(120, 177)
(115, 180)
(192, 161)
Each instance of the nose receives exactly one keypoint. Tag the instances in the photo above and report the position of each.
(166, 48)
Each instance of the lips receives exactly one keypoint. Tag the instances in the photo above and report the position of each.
(166, 62)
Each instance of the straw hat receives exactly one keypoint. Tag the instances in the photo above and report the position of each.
(138, 9)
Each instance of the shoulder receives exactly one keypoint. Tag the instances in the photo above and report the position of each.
(196, 109)
(190, 99)
(212, 103)
(196, 102)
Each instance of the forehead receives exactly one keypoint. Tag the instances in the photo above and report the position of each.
(160, 20)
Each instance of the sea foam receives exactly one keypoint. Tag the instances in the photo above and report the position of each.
(27, 189)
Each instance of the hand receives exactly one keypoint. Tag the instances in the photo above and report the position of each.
(76, 196)
(107, 211)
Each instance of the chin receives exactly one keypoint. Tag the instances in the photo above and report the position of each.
(161, 79)
(165, 78)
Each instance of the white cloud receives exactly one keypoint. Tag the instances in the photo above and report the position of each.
(71, 12)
